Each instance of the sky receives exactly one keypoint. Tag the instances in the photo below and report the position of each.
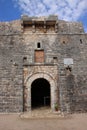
(69, 10)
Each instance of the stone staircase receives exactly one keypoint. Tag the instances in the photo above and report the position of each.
(43, 112)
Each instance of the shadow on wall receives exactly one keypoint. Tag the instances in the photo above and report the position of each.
(70, 84)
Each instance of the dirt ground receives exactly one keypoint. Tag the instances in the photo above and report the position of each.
(72, 122)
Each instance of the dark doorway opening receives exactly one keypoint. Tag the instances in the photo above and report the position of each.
(40, 93)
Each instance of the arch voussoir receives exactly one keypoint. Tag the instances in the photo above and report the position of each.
(27, 95)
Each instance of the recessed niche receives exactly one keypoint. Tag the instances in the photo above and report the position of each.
(38, 45)
(64, 42)
(11, 60)
(55, 58)
(24, 59)
(81, 41)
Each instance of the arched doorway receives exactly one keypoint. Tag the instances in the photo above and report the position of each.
(28, 86)
(40, 93)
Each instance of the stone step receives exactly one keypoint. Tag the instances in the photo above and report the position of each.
(41, 113)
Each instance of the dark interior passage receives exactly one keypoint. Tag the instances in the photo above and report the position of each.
(40, 93)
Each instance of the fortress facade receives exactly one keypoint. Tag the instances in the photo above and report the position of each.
(43, 62)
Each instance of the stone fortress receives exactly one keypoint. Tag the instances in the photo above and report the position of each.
(43, 62)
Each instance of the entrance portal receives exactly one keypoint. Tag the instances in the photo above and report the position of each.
(40, 93)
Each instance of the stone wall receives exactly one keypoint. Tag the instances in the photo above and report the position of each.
(17, 50)
(9, 28)
(11, 75)
(73, 85)
(45, 71)
(70, 27)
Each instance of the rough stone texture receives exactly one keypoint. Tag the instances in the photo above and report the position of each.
(48, 72)
(59, 40)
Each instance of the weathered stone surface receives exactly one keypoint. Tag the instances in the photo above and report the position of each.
(18, 68)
